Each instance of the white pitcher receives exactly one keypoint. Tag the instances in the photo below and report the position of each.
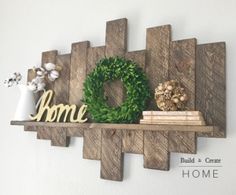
(26, 105)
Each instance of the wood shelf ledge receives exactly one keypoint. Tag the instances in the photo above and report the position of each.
(144, 127)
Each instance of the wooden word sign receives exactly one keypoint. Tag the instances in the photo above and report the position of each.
(60, 112)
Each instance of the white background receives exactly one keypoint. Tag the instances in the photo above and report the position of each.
(32, 167)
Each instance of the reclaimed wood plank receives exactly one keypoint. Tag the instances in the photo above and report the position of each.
(116, 37)
(132, 141)
(92, 144)
(75, 132)
(155, 150)
(157, 64)
(49, 57)
(116, 45)
(44, 133)
(92, 126)
(211, 87)
(157, 46)
(62, 84)
(182, 68)
(92, 139)
(59, 137)
(61, 96)
(112, 156)
(79, 53)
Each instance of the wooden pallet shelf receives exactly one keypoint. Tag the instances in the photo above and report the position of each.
(143, 127)
(200, 69)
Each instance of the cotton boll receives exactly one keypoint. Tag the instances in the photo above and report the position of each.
(38, 80)
(49, 66)
(53, 75)
(32, 86)
(41, 86)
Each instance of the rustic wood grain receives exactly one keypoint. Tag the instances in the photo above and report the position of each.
(155, 150)
(61, 96)
(92, 144)
(92, 139)
(132, 141)
(30, 128)
(182, 68)
(75, 132)
(157, 46)
(31, 75)
(116, 37)
(62, 84)
(211, 87)
(112, 156)
(49, 57)
(156, 156)
(44, 133)
(127, 127)
(95, 54)
(116, 45)
(59, 137)
(79, 53)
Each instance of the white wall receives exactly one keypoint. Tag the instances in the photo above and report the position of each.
(27, 27)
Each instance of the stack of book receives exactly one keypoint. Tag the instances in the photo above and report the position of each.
(173, 118)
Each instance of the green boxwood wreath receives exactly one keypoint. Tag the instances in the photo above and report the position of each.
(135, 82)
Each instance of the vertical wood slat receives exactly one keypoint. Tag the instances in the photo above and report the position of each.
(155, 150)
(47, 57)
(211, 87)
(78, 68)
(112, 156)
(156, 155)
(182, 68)
(79, 53)
(132, 141)
(157, 45)
(30, 75)
(116, 45)
(92, 139)
(61, 96)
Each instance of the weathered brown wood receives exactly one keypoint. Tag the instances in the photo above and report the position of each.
(132, 141)
(116, 45)
(137, 56)
(116, 37)
(44, 133)
(59, 137)
(112, 156)
(31, 74)
(49, 57)
(182, 142)
(157, 46)
(92, 139)
(30, 128)
(157, 63)
(92, 126)
(155, 150)
(75, 132)
(182, 68)
(95, 54)
(92, 144)
(211, 86)
(61, 96)
(62, 84)
(79, 55)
